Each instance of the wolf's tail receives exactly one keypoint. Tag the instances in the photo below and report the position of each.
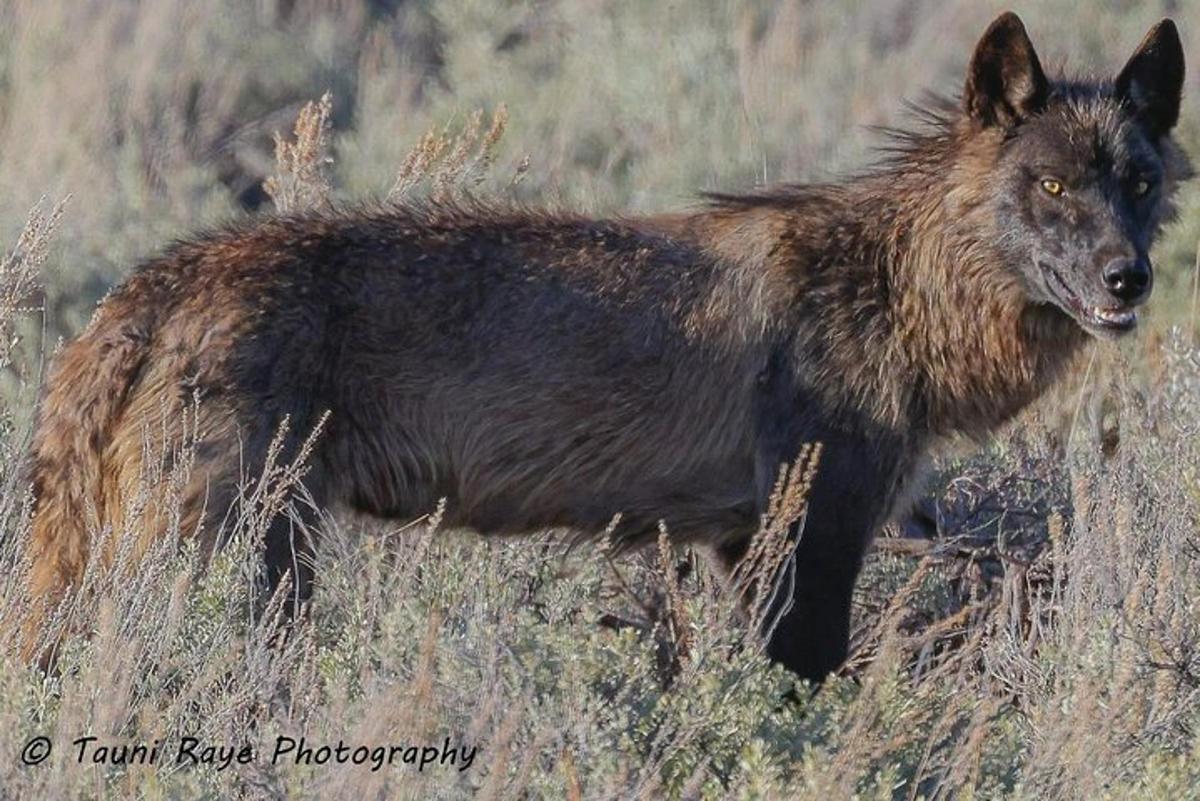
(75, 495)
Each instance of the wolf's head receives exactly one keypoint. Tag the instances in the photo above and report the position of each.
(1085, 171)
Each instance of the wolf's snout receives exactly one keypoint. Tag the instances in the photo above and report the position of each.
(1128, 280)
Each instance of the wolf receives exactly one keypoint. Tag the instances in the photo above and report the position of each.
(546, 370)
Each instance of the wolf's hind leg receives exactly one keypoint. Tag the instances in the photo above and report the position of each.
(232, 483)
(282, 498)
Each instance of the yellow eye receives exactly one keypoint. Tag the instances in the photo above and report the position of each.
(1052, 187)
(1141, 188)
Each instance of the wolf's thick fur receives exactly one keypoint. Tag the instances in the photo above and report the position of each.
(551, 371)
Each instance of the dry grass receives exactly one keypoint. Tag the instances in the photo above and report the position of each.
(302, 180)
(1045, 645)
(446, 163)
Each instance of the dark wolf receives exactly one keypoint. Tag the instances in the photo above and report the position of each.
(542, 370)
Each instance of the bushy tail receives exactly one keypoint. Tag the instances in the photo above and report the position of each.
(86, 392)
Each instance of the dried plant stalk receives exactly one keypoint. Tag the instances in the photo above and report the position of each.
(302, 181)
(447, 163)
(21, 267)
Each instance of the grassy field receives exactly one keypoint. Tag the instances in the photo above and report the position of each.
(1046, 645)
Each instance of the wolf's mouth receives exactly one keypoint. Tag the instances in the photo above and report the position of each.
(1115, 319)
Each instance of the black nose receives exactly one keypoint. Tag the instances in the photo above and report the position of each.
(1128, 280)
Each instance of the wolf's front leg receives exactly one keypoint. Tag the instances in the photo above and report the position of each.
(811, 613)
(808, 619)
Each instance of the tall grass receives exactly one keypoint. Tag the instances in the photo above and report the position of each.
(1045, 645)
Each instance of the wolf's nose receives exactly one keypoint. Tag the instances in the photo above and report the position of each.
(1128, 280)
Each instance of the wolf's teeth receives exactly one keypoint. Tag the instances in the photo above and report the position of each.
(1113, 316)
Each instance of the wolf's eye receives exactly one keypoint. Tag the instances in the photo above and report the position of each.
(1052, 186)
(1141, 188)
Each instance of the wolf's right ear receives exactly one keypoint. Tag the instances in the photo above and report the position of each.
(1005, 82)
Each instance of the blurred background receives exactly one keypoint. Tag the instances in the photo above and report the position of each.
(157, 117)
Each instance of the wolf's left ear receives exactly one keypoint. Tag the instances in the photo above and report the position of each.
(1152, 81)
(1005, 82)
